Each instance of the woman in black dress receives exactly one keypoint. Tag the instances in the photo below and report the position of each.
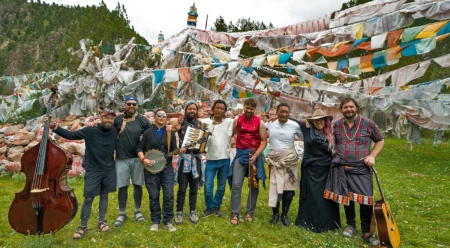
(316, 213)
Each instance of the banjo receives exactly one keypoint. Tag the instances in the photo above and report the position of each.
(160, 158)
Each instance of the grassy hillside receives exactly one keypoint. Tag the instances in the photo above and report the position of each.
(35, 36)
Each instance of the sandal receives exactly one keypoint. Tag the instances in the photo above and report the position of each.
(371, 240)
(234, 220)
(120, 220)
(103, 226)
(139, 217)
(249, 217)
(80, 232)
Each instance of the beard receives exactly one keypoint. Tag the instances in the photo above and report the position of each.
(190, 116)
(248, 115)
(107, 125)
(129, 113)
(349, 115)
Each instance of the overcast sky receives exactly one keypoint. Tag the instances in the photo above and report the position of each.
(170, 16)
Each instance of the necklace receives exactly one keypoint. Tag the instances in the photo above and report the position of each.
(354, 135)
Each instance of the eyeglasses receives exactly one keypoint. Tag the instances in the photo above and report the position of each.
(131, 104)
(161, 115)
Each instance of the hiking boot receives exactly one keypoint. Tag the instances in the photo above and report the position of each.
(193, 217)
(154, 227)
(207, 213)
(349, 231)
(285, 221)
(170, 227)
(179, 217)
(218, 213)
(274, 219)
(370, 239)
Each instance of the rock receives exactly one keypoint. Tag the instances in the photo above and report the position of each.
(66, 123)
(16, 149)
(80, 149)
(69, 147)
(20, 142)
(13, 166)
(31, 145)
(76, 125)
(9, 131)
(77, 168)
(14, 157)
(3, 150)
(71, 117)
(24, 135)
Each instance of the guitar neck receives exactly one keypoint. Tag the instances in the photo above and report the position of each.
(379, 184)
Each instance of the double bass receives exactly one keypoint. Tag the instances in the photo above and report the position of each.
(46, 204)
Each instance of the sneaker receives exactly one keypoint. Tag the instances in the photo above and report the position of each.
(207, 213)
(193, 217)
(154, 227)
(371, 240)
(349, 231)
(218, 213)
(170, 227)
(179, 217)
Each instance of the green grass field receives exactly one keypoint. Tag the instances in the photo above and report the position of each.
(414, 183)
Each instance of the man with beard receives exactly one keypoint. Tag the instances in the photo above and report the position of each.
(354, 135)
(100, 176)
(251, 140)
(189, 166)
(130, 126)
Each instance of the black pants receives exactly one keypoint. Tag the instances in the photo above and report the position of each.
(365, 214)
(154, 183)
(185, 179)
(287, 197)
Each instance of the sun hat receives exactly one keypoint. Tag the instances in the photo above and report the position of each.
(319, 114)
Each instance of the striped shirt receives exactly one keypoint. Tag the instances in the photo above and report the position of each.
(356, 144)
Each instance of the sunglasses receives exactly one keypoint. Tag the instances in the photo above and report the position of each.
(161, 115)
(131, 104)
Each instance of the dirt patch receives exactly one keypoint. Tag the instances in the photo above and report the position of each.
(4, 44)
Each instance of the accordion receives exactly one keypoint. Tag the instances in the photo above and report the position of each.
(195, 135)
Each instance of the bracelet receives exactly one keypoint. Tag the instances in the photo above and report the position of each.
(53, 126)
(143, 159)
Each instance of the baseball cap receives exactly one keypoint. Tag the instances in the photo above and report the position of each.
(131, 98)
(108, 112)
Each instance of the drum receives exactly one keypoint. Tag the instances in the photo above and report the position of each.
(160, 161)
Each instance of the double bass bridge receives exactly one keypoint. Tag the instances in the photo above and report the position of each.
(39, 190)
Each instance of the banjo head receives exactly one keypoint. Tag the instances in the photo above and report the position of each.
(160, 161)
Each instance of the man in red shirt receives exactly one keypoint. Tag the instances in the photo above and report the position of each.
(251, 136)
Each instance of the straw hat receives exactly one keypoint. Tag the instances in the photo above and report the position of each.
(319, 114)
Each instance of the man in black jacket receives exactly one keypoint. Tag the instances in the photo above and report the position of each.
(100, 176)
(130, 126)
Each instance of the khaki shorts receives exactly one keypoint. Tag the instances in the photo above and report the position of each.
(130, 168)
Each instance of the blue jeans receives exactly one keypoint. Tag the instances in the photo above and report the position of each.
(221, 168)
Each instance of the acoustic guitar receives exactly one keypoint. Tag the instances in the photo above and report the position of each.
(387, 228)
